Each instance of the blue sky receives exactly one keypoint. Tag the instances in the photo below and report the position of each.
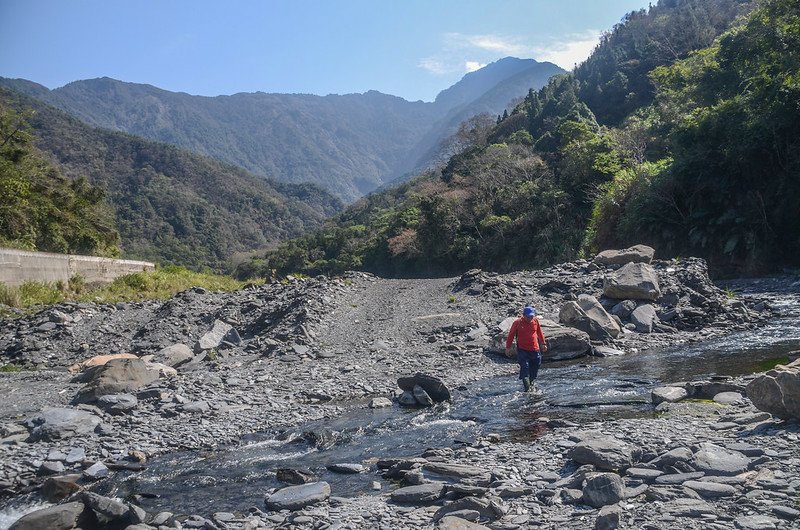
(409, 48)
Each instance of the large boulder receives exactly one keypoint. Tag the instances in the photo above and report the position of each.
(562, 342)
(220, 332)
(635, 281)
(433, 386)
(644, 318)
(602, 452)
(589, 316)
(174, 355)
(99, 360)
(634, 254)
(603, 489)
(117, 376)
(58, 423)
(778, 391)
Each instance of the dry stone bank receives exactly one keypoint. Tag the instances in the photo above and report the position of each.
(211, 367)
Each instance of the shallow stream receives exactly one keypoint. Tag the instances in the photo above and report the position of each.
(237, 478)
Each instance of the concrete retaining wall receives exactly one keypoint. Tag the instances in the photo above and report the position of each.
(18, 266)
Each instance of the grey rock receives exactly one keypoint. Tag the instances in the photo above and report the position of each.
(421, 494)
(710, 490)
(715, 460)
(432, 385)
(728, 398)
(58, 423)
(636, 281)
(96, 471)
(407, 399)
(684, 507)
(117, 376)
(347, 469)
(634, 254)
(51, 468)
(421, 396)
(106, 510)
(785, 512)
(488, 508)
(756, 522)
(670, 394)
(778, 391)
(298, 497)
(175, 355)
(454, 522)
(455, 470)
(75, 455)
(624, 309)
(643, 474)
(608, 518)
(59, 517)
(214, 337)
(603, 489)
(380, 402)
(679, 454)
(608, 454)
(196, 407)
(589, 316)
(117, 403)
(678, 478)
(644, 318)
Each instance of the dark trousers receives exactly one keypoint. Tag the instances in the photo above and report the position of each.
(529, 363)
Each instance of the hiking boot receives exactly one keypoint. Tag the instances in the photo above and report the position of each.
(526, 383)
(533, 389)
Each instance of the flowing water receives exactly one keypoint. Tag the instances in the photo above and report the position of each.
(236, 478)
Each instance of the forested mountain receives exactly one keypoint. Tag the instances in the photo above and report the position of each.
(680, 131)
(170, 205)
(349, 144)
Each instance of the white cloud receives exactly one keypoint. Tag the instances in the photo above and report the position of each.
(471, 66)
(466, 53)
(570, 51)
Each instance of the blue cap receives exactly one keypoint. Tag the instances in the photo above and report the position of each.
(529, 311)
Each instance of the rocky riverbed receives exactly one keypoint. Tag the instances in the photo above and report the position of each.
(268, 358)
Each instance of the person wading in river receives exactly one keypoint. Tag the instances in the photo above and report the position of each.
(530, 345)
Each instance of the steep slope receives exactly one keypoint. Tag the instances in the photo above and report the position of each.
(350, 144)
(172, 205)
(709, 167)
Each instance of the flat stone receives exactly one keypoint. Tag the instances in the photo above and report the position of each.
(380, 402)
(96, 471)
(455, 470)
(643, 474)
(55, 489)
(432, 385)
(729, 398)
(678, 478)
(756, 522)
(347, 469)
(715, 460)
(117, 403)
(679, 454)
(670, 394)
(76, 455)
(51, 468)
(297, 497)
(710, 490)
(604, 453)
(684, 507)
(785, 512)
(421, 494)
(59, 423)
(451, 522)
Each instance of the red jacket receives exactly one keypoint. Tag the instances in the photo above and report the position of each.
(529, 334)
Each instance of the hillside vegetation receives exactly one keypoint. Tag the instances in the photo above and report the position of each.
(170, 205)
(348, 144)
(680, 131)
(40, 209)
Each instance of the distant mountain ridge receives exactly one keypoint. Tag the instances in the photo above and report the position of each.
(171, 205)
(349, 144)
